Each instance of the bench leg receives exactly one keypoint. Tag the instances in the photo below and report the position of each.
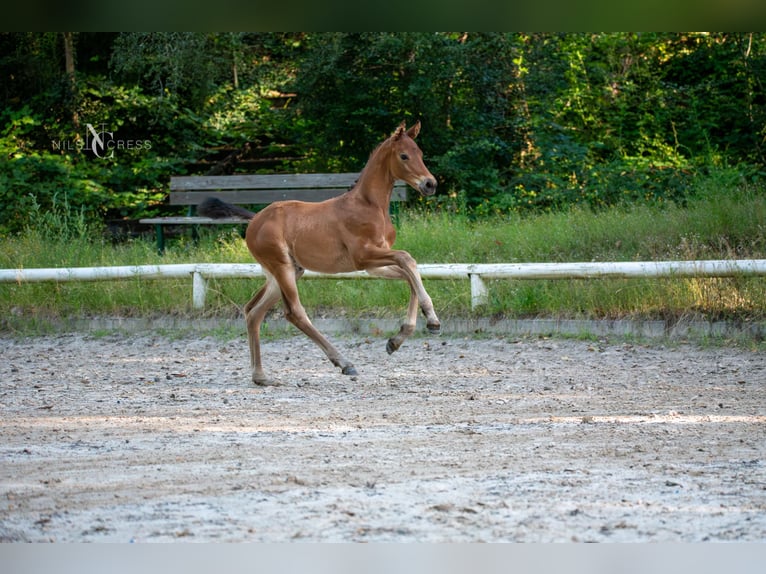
(393, 211)
(160, 235)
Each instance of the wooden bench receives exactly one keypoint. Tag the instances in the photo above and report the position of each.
(252, 190)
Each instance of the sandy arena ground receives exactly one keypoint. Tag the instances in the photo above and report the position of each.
(149, 438)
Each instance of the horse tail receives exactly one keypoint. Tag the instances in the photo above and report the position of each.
(217, 209)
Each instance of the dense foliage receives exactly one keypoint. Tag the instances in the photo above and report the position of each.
(512, 122)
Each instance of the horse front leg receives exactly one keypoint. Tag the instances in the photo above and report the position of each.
(409, 268)
(418, 294)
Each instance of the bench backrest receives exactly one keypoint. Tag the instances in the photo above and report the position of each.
(266, 188)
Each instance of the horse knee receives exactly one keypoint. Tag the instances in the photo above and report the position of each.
(405, 260)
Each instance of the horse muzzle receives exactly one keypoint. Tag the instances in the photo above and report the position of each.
(427, 186)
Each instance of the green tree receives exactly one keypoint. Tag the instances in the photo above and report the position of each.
(168, 64)
(512, 121)
(355, 88)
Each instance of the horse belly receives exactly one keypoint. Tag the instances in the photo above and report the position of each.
(323, 255)
(316, 236)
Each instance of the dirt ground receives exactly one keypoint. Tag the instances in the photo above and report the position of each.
(139, 438)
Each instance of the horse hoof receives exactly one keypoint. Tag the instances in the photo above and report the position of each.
(264, 382)
(268, 383)
(391, 346)
(350, 371)
(434, 329)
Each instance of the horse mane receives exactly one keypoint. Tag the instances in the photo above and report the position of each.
(372, 153)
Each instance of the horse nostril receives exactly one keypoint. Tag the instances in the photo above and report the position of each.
(427, 186)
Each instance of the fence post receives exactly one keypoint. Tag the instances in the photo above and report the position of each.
(199, 290)
(479, 293)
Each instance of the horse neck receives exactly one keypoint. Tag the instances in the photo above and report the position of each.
(376, 181)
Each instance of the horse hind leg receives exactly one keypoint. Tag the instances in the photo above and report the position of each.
(296, 314)
(255, 311)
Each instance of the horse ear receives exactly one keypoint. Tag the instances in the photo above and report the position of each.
(399, 131)
(414, 130)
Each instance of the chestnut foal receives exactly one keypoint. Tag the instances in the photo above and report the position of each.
(349, 232)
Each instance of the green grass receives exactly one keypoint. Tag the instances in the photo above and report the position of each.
(726, 221)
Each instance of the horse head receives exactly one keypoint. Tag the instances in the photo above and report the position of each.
(406, 160)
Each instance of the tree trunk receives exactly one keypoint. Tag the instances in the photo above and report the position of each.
(70, 75)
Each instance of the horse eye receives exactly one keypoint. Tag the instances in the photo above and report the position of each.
(404, 156)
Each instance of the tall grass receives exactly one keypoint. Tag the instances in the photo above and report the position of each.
(726, 221)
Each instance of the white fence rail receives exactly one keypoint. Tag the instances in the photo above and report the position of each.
(475, 273)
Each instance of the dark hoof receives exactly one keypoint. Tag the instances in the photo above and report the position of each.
(434, 329)
(350, 371)
(391, 346)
